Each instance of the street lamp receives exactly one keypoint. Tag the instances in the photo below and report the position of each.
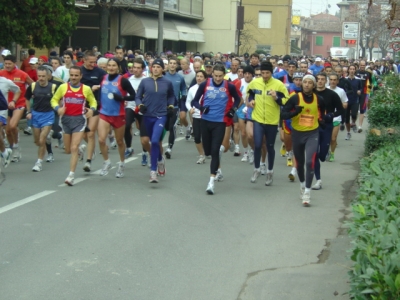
(312, 42)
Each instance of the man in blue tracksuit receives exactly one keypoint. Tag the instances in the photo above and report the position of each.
(155, 99)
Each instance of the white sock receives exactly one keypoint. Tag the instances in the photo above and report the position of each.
(15, 145)
(212, 179)
(262, 163)
(40, 160)
(71, 173)
(122, 163)
(245, 150)
(222, 149)
(307, 190)
(219, 170)
(236, 145)
(257, 169)
(107, 161)
(303, 185)
(130, 148)
(4, 153)
(270, 171)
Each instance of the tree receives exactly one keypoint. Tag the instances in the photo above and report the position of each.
(105, 6)
(37, 23)
(247, 37)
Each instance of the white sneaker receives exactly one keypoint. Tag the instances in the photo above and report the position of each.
(256, 173)
(16, 155)
(113, 144)
(302, 191)
(270, 178)
(201, 160)
(50, 157)
(348, 136)
(81, 152)
(153, 177)
(251, 157)
(87, 166)
(359, 129)
(219, 176)
(168, 153)
(120, 170)
(210, 188)
(69, 180)
(161, 167)
(306, 199)
(245, 157)
(7, 157)
(106, 167)
(231, 145)
(37, 167)
(317, 185)
(237, 151)
(292, 175)
(263, 169)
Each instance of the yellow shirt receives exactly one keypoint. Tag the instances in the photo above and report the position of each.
(87, 92)
(266, 110)
(307, 120)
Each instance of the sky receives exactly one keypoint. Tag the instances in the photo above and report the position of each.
(315, 6)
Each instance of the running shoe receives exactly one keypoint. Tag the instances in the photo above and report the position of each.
(28, 130)
(161, 167)
(302, 191)
(128, 152)
(144, 159)
(283, 150)
(341, 127)
(48, 137)
(317, 185)
(137, 132)
(69, 180)
(306, 199)
(37, 167)
(7, 157)
(16, 155)
(149, 162)
(113, 143)
(292, 174)
(201, 160)
(120, 170)
(106, 167)
(289, 162)
(237, 151)
(348, 136)
(256, 173)
(180, 130)
(50, 157)
(81, 152)
(168, 153)
(251, 157)
(210, 188)
(188, 130)
(245, 157)
(263, 168)
(153, 177)
(359, 129)
(219, 176)
(332, 157)
(231, 145)
(328, 155)
(60, 143)
(87, 167)
(270, 178)
(354, 127)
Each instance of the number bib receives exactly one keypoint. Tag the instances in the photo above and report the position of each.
(306, 120)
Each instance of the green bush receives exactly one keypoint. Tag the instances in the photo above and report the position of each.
(373, 142)
(375, 227)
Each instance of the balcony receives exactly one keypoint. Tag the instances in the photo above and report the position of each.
(187, 8)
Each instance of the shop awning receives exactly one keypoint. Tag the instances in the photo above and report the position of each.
(147, 26)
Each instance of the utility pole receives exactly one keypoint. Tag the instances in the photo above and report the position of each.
(160, 41)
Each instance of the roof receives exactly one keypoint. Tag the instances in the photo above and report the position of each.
(325, 18)
(323, 23)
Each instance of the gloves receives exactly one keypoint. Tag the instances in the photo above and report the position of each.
(142, 109)
(231, 112)
(328, 118)
(298, 109)
(183, 99)
(204, 109)
(170, 111)
(118, 97)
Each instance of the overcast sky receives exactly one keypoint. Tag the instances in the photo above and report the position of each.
(315, 6)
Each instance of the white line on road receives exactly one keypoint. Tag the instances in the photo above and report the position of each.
(25, 201)
(76, 180)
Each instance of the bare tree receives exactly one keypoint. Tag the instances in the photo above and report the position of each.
(248, 36)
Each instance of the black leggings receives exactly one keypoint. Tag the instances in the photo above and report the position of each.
(129, 119)
(197, 130)
(212, 135)
(351, 111)
(305, 147)
(172, 129)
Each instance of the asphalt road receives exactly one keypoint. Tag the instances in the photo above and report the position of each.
(109, 238)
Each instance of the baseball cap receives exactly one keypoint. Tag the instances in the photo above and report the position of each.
(158, 61)
(79, 54)
(33, 61)
(293, 63)
(280, 62)
(286, 58)
(6, 52)
(298, 75)
(318, 59)
(208, 63)
(246, 55)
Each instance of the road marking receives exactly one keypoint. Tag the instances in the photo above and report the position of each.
(176, 140)
(76, 180)
(25, 201)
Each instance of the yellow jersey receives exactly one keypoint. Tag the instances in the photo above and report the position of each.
(307, 120)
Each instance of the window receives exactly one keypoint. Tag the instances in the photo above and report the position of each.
(264, 19)
(319, 40)
(336, 41)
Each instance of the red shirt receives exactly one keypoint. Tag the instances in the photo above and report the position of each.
(79, 63)
(20, 79)
(25, 66)
(33, 74)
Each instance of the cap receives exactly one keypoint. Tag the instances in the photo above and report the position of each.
(311, 78)
(292, 63)
(79, 54)
(48, 67)
(158, 61)
(44, 58)
(6, 52)
(248, 69)
(318, 59)
(298, 75)
(208, 63)
(286, 58)
(327, 65)
(33, 61)
(246, 55)
(53, 53)
(280, 62)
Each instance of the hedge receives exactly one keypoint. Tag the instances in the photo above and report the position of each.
(375, 227)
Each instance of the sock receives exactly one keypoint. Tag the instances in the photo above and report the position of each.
(257, 169)
(4, 153)
(107, 161)
(245, 150)
(15, 145)
(262, 163)
(303, 185)
(71, 173)
(219, 170)
(129, 148)
(307, 190)
(270, 171)
(212, 179)
(170, 146)
(48, 148)
(122, 163)
(40, 160)
(236, 145)
(89, 160)
(222, 149)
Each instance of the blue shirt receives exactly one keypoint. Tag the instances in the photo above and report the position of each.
(179, 85)
(316, 69)
(356, 86)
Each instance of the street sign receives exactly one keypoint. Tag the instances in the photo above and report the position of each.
(396, 32)
(396, 46)
(350, 30)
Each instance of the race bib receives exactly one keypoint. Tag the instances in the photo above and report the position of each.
(306, 120)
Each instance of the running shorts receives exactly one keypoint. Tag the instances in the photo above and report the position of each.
(73, 124)
(42, 119)
(114, 121)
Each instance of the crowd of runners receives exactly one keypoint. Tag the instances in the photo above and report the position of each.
(221, 101)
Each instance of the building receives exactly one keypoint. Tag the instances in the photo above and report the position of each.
(267, 26)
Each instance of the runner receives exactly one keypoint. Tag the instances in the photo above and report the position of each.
(15, 108)
(266, 95)
(73, 115)
(62, 72)
(6, 86)
(41, 113)
(155, 98)
(217, 110)
(306, 109)
(366, 85)
(114, 91)
(353, 104)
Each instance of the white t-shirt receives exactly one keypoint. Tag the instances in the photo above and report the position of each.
(343, 98)
(135, 84)
(232, 76)
(190, 96)
(6, 86)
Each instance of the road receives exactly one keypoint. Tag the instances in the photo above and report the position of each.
(109, 238)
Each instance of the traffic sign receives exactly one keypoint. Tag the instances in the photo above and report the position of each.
(396, 46)
(396, 32)
(350, 30)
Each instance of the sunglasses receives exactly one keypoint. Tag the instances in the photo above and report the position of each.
(257, 75)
